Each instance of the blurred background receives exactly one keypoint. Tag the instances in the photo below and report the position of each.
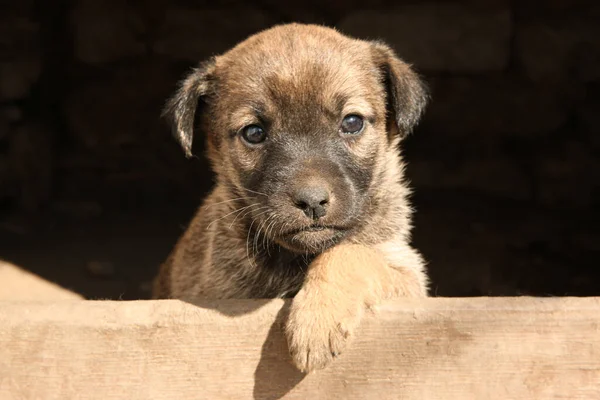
(94, 191)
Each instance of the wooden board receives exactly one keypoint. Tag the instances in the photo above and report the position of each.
(476, 348)
(19, 284)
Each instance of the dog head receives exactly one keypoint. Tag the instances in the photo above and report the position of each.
(300, 121)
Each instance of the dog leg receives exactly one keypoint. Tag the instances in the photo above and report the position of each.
(340, 284)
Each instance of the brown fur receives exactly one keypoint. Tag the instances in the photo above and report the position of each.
(304, 78)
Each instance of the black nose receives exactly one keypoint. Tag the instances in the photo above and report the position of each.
(312, 200)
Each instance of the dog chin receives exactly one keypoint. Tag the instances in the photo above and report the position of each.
(311, 240)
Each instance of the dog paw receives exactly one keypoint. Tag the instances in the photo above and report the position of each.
(319, 327)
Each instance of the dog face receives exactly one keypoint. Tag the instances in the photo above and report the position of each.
(300, 121)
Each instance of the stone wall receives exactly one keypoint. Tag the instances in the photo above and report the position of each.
(515, 90)
(513, 119)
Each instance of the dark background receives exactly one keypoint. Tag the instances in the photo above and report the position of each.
(94, 191)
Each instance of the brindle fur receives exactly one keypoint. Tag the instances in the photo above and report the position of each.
(299, 81)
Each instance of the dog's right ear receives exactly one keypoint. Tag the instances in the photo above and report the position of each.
(181, 108)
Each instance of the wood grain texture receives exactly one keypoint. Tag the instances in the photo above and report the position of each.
(476, 348)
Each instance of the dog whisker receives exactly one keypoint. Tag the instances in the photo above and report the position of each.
(267, 234)
(228, 214)
(229, 201)
(256, 236)
(265, 224)
(249, 210)
(255, 192)
(248, 239)
(246, 189)
(261, 225)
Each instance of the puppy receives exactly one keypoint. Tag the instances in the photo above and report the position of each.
(302, 127)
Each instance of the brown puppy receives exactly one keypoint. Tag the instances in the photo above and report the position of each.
(303, 126)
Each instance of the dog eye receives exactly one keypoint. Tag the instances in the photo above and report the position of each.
(352, 124)
(254, 134)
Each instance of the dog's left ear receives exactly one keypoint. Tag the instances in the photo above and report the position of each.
(407, 94)
(181, 108)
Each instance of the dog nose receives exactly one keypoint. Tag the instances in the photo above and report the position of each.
(312, 200)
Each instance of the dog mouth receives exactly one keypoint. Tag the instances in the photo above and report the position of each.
(314, 229)
(312, 238)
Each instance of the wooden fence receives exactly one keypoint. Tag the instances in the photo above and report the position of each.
(440, 348)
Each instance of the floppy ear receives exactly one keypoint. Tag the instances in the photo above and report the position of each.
(181, 108)
(406, 93)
